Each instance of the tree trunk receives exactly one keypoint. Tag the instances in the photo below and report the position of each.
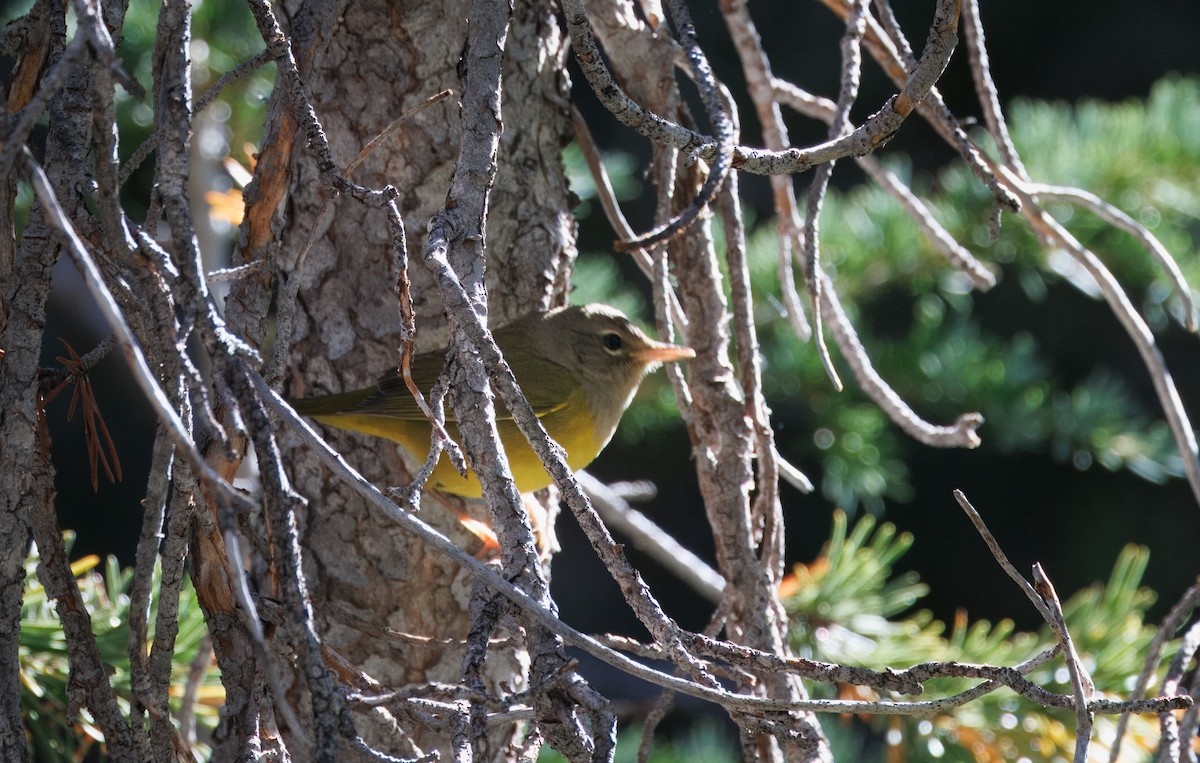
(388, 604)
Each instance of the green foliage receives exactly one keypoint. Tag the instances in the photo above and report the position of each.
(851, 607)
(941, 352)
(945, 356)
(597, 279)
(53, 735)
(621, 169)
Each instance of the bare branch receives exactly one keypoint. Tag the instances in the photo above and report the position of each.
(1081, 682)
(941, 240)
(856, 26)
(280, 49)
(612, 209)
(652, 539)
(1118, 219)
(249, 614)
(888, 46)
(994, 546)
(985, 88)
(1133, 323)
(125, 338)
(775, 134)
(723, 122)
(959, 435)
(868, 137)
(148, 146)
(1179, 614)
(1172, 738)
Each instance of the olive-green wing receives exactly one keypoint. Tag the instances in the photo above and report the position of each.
(391, 396)
(547, 387)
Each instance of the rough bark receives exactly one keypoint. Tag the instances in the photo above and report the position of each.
(26, 475)
(377, 61)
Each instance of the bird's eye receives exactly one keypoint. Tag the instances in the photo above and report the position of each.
(612, 342)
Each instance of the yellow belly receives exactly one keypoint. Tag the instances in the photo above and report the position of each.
(571, 426)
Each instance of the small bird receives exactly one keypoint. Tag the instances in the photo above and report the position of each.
(579, 368)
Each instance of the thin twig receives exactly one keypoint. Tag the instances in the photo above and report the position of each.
(888, 46)
(650, 722)
(958, 255)
(1081, 682)
(985, 88)
(331, 718)
(1179, 614)
(941, 240)
(875, 132)
(1189, 724)
(278, 47)
(612, 210)
(173, 554)
(724, 126)
(139, 155)
(961, 434)
(766, 508)
(114, 233)
(851, 44)
(147, 688)
(994, 546)
(197, 669)
(652, 539)
(1132, 321)
(124, 336)
(1172, 740)
(1118, 219)
(52, 378)
(775, 136)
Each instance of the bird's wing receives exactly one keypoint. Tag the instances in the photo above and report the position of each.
(391, 396)
(548, 388)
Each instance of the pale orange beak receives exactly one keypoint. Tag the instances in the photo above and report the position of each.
(661, 352)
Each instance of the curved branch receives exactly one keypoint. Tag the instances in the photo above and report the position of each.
(961, 434)
(938, 237)
(720, 115)
(1135, 326)
(1118, 219)
(891, 51)
(1180, 613)
(985, 87)
(757, 70)
(873, 134)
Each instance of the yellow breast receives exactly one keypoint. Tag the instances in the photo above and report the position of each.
(570, 425)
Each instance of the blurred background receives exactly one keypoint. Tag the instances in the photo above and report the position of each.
(1076, 462)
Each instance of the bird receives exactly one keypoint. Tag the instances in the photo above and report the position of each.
(578, 366)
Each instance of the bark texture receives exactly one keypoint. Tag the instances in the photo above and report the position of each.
(389, 605)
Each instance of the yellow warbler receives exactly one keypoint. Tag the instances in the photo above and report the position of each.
(578, 366)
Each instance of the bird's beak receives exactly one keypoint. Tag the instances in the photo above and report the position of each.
(661, 352)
